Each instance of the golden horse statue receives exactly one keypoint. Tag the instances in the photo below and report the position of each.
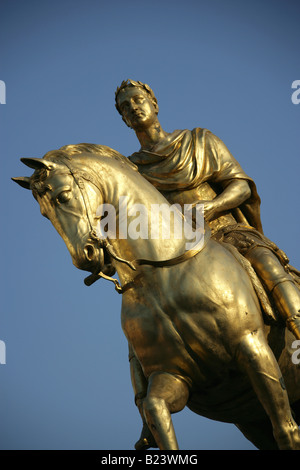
(192, 318)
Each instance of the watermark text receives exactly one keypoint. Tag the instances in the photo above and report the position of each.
(296, 94)
(2, 352)
(296, 354)
(155, 222)
(2, 92)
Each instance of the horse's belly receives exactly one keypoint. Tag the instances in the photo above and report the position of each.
(231, 400)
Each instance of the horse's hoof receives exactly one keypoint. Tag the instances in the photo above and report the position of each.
(146, 440)
(142, 444)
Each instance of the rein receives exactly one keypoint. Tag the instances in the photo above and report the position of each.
(79, 177)
(139, 262)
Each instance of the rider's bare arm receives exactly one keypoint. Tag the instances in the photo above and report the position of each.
(236, 191)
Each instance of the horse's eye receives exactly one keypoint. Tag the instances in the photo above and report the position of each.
(63, 197)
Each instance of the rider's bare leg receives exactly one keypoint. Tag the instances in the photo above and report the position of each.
(166, 394)
(287, 297)
(257, 360)
(279, 284)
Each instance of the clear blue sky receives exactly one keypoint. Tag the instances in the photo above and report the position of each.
(224, 65)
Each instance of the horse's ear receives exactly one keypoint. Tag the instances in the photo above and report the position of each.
(23, 181)
(38, 163)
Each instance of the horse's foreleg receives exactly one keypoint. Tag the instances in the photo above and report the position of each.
(257, 360)
(166, 394)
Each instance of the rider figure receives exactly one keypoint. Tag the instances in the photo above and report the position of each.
(196, 167)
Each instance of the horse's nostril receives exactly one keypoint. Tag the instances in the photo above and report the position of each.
(89, 252)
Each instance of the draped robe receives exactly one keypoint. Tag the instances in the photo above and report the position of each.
(184, 160)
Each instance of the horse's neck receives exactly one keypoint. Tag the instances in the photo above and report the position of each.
(141, 229)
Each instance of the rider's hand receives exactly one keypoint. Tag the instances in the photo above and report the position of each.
(210, 209)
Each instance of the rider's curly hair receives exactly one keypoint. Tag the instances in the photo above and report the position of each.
(132, 83)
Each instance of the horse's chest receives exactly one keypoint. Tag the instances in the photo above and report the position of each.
(147, 324)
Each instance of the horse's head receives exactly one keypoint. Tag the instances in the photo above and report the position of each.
(68, 198)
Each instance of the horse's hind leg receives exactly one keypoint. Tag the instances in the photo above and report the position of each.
(166, 394)
(259, 433)
(257, 360)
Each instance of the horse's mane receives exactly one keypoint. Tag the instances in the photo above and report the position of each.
(68, 151)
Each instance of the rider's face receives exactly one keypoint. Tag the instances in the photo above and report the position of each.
(137, 109)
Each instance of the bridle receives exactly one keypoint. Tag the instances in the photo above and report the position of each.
(103, 243)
